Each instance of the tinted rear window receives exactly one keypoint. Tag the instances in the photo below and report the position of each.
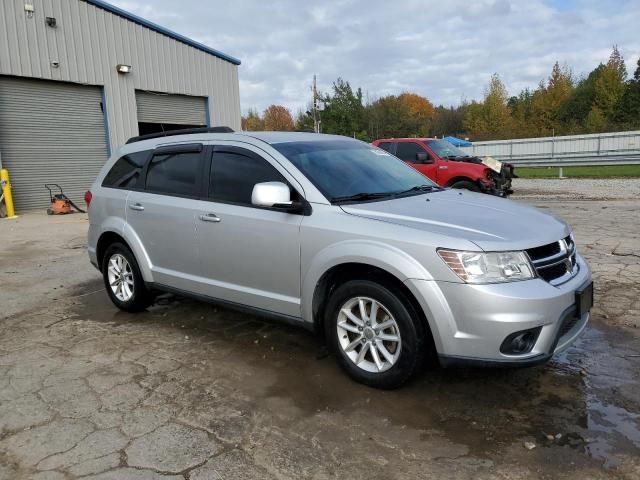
(127, 170)
(175, 174)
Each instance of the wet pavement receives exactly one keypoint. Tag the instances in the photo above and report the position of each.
(190, 390)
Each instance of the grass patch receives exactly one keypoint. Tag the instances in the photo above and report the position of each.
(608, 171)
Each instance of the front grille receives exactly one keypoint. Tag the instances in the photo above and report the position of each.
(555, 262)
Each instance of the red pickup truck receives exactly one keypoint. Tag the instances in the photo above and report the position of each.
(449, 166)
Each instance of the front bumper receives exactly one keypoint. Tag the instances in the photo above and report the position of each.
(470, 322)
(499, 184)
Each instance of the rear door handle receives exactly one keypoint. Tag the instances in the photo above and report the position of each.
(136, 206)
(210, 217)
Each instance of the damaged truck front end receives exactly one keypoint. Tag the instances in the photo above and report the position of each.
(498, 178)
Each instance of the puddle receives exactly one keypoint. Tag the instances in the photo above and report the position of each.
(587, 398)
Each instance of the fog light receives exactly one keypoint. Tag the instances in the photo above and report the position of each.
(519, 343)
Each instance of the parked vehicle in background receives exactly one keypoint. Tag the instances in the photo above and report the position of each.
(449, 166)
(343, 238)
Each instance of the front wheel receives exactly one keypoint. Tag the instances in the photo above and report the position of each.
(466, 185)
(123, 280)
(375, 332)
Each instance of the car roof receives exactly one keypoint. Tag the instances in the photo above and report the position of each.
(421, 139)
(272, 138)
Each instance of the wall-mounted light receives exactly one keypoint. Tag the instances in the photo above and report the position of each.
(124, 69)
(28, 9)
(51, 21)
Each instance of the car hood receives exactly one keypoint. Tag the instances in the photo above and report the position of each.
(490, 222)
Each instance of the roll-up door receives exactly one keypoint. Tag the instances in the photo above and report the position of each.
(165, 109)
(50, 132)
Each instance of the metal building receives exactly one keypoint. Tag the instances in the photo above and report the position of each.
(79, 77)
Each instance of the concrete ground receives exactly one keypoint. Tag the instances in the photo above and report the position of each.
(190, 390)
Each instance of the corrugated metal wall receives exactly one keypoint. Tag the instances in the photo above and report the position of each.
(50, 132)
(180, 109)
(88, 42)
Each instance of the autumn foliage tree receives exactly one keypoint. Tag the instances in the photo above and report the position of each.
(252, 122)
(603, 100)
(278, 118)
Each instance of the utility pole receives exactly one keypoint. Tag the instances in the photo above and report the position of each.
(316, 122)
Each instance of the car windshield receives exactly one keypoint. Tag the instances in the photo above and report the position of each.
(349, 170)
(444, 149)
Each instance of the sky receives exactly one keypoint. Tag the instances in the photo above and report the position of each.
(445, 50)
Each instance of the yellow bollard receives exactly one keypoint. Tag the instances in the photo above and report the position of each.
(6, 191)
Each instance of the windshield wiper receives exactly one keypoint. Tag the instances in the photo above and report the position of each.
(361, 196)
(420, 188)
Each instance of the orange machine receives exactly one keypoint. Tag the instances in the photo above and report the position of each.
(60, 203)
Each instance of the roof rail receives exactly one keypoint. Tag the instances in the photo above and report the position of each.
(183, 131)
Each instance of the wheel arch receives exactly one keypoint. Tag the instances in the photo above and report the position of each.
(111, 236)
(461, 178)
(343, 272)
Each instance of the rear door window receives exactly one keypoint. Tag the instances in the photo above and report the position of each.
(388, 146)
(175, 173)
(408, 151)
(234, 173)
(127, 171)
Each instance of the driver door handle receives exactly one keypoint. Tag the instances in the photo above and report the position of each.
(210, 217)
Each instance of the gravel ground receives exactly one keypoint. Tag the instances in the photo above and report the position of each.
(578, 188)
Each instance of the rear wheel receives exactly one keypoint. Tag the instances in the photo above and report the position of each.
(123, 280)
(375, 332)
(466, 185)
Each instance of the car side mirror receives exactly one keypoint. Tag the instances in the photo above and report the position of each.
(423, 157)
(273, 195)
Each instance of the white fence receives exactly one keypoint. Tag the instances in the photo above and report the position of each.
(620, 148)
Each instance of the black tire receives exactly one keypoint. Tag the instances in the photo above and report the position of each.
(411, 329)
(466, 185)
(141, 297)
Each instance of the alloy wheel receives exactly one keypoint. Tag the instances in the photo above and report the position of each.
(120, 277)
(368, 334)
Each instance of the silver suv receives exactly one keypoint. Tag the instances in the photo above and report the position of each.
(343, 238)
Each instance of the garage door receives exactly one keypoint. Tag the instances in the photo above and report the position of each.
(157, 108)
(50, 132)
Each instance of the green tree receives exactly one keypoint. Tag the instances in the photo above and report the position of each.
(490, 119)
(344, 112)
(548, 100)
(610, 84)
(252, 122)
(628, 108)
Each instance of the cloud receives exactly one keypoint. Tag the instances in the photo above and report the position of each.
(443, 50)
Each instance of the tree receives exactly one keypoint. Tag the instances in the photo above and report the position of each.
(548, 100)
(252, 122)
(490, 119)
(447, 121)
(304, 120)
(610, 84)
(344, 112)
(628, 108)
(277, 118)
(419, 113)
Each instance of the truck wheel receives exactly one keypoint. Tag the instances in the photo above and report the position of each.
(123, 280)
(375, 332)
(466, 185)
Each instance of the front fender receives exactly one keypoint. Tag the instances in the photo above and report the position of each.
(366, 252)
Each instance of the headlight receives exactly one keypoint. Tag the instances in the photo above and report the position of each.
(490, 267)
